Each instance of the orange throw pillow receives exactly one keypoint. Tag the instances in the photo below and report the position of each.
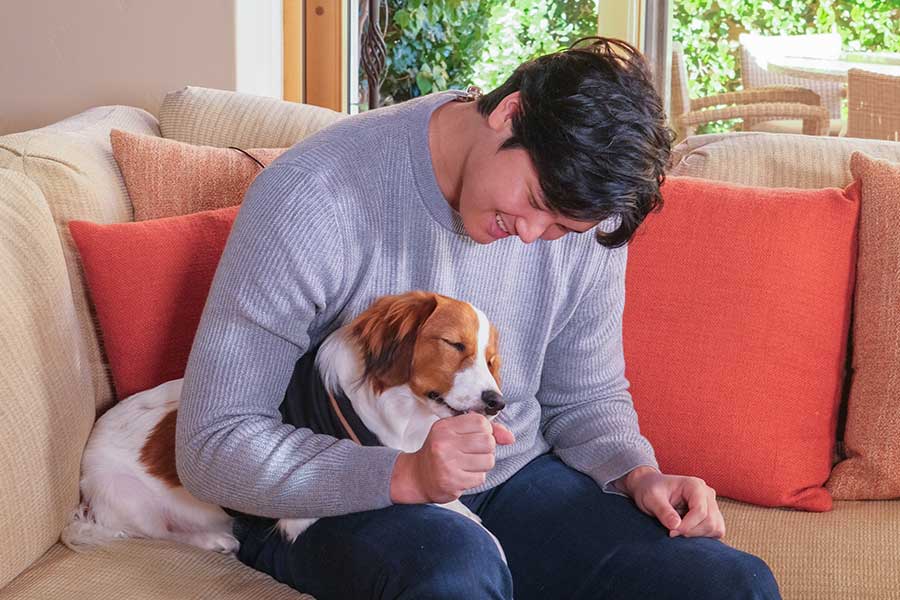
(148, 281)
(871, 470)
(166, 178)
(735, 332)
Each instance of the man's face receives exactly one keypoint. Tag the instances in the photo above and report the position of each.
(501, 192)
(500, 189)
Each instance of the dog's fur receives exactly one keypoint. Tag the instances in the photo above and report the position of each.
(404, 363)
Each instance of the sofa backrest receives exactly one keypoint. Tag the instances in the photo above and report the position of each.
(775, 159)
(221, 118)
(55, 378)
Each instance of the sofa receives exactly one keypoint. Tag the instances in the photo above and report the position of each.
(55, 380)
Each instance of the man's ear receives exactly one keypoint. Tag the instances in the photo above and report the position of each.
(501, 117)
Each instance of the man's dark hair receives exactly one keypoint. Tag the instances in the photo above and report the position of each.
(595, 130)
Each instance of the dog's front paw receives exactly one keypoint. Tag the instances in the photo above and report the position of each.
(223, 543)
(292, 528)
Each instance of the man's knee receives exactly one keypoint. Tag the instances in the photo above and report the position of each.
(462, 563)
(728, 573)
(747, 577)
(401, 552)
(700, 569)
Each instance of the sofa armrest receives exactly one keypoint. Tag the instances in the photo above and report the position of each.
(45, 383)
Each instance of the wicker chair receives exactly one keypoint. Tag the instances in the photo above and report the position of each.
(756, 48)
(773, 102)
(873, 105)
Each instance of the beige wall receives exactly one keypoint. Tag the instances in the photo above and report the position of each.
(621, 19)
(60, 57)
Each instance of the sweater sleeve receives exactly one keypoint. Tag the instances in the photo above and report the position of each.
(281, 270)
(587, 414)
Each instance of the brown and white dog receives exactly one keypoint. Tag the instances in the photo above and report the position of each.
(404, 363)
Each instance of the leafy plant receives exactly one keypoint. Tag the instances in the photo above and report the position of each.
(709, 30)
(524, 29)
(432, 46)
(448, 44)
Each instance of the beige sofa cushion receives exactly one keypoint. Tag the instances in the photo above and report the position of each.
(849, 552)
(144, 570)
(773, 159)
(211, 117)
(46, 397)
(71, 163)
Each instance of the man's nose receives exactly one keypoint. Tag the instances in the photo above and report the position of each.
(493, 402)
(532, 228)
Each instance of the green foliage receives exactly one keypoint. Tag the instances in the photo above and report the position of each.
(432, 46)
(449, 44)
(524, 29)
(443, 44)
(709, 30)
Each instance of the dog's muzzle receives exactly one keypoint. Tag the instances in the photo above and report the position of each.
(493, 402)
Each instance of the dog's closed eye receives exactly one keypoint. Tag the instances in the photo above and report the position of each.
(458, 345)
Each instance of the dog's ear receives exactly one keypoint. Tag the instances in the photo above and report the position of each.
(386, 334)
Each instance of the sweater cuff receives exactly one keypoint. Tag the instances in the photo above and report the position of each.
(367, 483)
(621, 464)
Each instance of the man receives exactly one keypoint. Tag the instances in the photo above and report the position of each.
(520, 203)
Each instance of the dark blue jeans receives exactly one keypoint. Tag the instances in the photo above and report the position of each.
(563, 538)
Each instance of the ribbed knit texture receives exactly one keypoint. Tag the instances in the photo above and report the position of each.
(348, 215)
(167, 178)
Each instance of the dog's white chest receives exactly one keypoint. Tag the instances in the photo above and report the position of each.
(398, 419)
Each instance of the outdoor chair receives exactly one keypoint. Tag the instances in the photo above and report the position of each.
(873, 103)
(765, 103)
(755, 50)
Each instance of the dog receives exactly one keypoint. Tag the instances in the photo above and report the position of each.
(402, 364)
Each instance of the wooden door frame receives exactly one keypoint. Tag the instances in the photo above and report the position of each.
(315, 52)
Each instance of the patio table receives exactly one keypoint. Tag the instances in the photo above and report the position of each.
(835, 69)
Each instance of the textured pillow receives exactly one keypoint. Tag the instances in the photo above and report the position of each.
(148, 281)
(872, 432)
(166, 178)
(735, 326)
(212, 117)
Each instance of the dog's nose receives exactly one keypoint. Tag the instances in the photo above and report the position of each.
(493, 402)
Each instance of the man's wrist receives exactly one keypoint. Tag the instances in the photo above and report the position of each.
(627, 482)
(403, 488)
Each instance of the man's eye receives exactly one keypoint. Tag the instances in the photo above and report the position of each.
(459, 346)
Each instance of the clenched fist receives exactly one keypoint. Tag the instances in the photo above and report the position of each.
(456, 456)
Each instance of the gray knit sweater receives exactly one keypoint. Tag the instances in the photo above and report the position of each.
(347, 215)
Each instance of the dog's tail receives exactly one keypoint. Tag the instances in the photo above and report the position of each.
(83, 533)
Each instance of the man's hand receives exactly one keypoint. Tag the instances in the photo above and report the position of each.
(668, 497)
(456, 456)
